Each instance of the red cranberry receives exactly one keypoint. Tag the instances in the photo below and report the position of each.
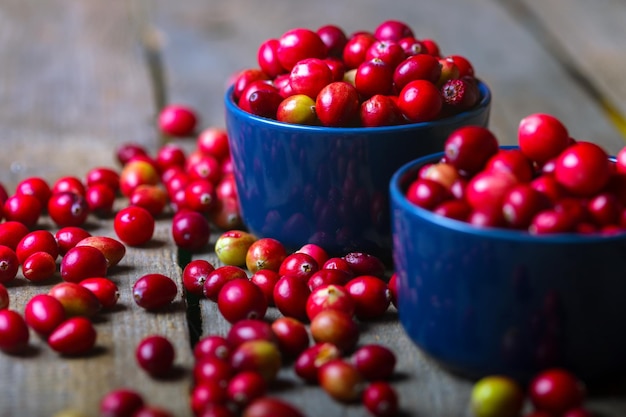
(4, 297)
(112, 249)
(190, 230)
(121, 402)
(258, 356)
(291, 335)
(297, 44)
(37, 241)
(542, 137)
(270, 407)
(365, 264)
(249, 329)
(155, 354)
(392, 30)
(328, 277)
(338, 104)
(43, 313)
(266, 280)
(105, 290)
(374, 362)
(298, 264)
(370, 295)
(207, 394)
(39, 266)
(34, 186)
(9, 264)
(329, 297)
(212, 346)
(556, 391)
(240, 299)
(583, 169)
(216, 279)
(14, 334)
(246, 387)
(341, 380)
(11, 232)
(265, 253)
(134, 225)
(290, 296)
(380, 399)
(68, 209)
(195, 274)
(74, 336)
(469, 148)
(177, 120)
(103, 175)
(336, 327)
(82, 262)
(312, 358)
(75, 299)
(154, 291)
(420, 101)
(68, 237)
(25, 209)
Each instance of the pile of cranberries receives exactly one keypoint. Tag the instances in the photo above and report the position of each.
(383, 77)
(322, 301)
(550, 183)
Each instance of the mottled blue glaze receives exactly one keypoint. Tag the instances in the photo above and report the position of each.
(489, 301)
(310, 184)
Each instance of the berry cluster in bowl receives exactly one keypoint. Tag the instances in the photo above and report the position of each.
(383, 77)
(549, 183)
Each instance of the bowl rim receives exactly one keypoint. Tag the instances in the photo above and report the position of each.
(397, 197)
(483, 104)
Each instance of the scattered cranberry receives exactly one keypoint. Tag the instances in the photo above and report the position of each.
(9, 264)
(270, 407)
(374, 362)
(76, 299)
(67, 237)
(259, 356)
(241, 299)
(190, 230)
(155, 354)
(112, 249)
(43, 313)
(212, 346)
(341, 380)
(195, 274)
(154, 291)
(14, 333)
(82, 262)
(556, 391)
(265, 253)
(336, 327)
(121, 402)
(74, 336)
(4, 297)
(134, 225)
(291, 335)
(290, 296)
(68, 208)
(542, 137)
(245, 387)
(216, 279)
(39, 266)
(11, 232)
(380, 399)
(177, 120)
(23, 208)
(105, 290)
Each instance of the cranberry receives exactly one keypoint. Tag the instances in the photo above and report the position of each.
(68, 209)
(39, 266)
(214, 141)
(216, 279)
(374, 362)
(469, 148)
(206, 394)
(291, 335)
(362, 263)
(355, 50)
(177, 120)
(134, 225)
(170, 155)
(328, 277)
(512, 161)
(420, 101)
(154, 291)
(265, 253)
(336, 327)
(341, 380)
(390, 52)
(67, 237)
(212, 369)
(82, 262)
(121, 402)
(135, 173)
(9, 264)
(290, 296)
(373, 77)
(35, 186)
(380, 399)
(270, 407)
(112, 249)
(200, 195)
(258, 356)
(190, 230)
(486, 191)
(393, 289)
(75, 299)
(74, 336)
(24, 208)
(43, 313)
(542, 137)
(240, 299)
(308, 76)
(556, 391)
(379, 110)
(151, 197)
(392, 30)
(212, 346)
(155, 354)
(583, 169)
(496, 395)
(339, 264)
(459, 94)
(232, 246)
(246, 387)
(416, 67)
(520, 205)
(297, 44)
(604, 209)
(266, 280)
(105, 290)
(103, 175)
(329, 297)
(37, 241)
(195, 274)
(427, 193)
(297, 109)
(100, 199)
(11, 232)
(152, 411)
(248, 76)
(312, 358)
(370, 295)
(249, 329)
(14, 334)
(128, 151)
(338, 104)
(298, 264)
(334, 38)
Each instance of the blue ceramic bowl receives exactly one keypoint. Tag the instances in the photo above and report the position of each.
(487, 301)
(310, 184)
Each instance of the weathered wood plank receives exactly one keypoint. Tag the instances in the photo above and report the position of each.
(592, 34)
(74, 86)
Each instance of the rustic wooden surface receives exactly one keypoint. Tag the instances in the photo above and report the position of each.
(79, 78)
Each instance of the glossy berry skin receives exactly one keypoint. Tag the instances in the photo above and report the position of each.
(496, 396)
(14, 333)
(216, 279)
(154, 291)
(246, 387)
(583, 169)
(112, 249)
(380, 399)
(298, 44)
(309, 76)
(469, 148)
(75, 299)
(214, 141)
(542, 137)
(121, 402)
(249, 329)
(556, 391)
(37, 241)
(266, 280)
(290, 296)
(416, 67)
(212, 346)
(75, 336)
(100, 199)
(11, 232)
(134, 225)
(329, 297)
(375, 362)
(68, 209)
(9, 264)
(241, 299)
(82, 262)
(355, 50)
(336, 327)
(43, 313)
(24, 208)
(265, 253)
(379, 110)
(195, 274)
(103, 175)
(373, 77)
(35, 186)
(190, 230)
(68, 237)
(152, 411)
(155, 354)
(40, 266)
(420, 101)
(270, 407)
(337, 104)
(105, 290)
(341, 380)
(177, 120)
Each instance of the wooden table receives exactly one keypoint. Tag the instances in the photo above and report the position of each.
(79, 78)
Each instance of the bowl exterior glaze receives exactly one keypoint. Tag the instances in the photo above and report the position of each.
(490, 301)
(310, 184)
